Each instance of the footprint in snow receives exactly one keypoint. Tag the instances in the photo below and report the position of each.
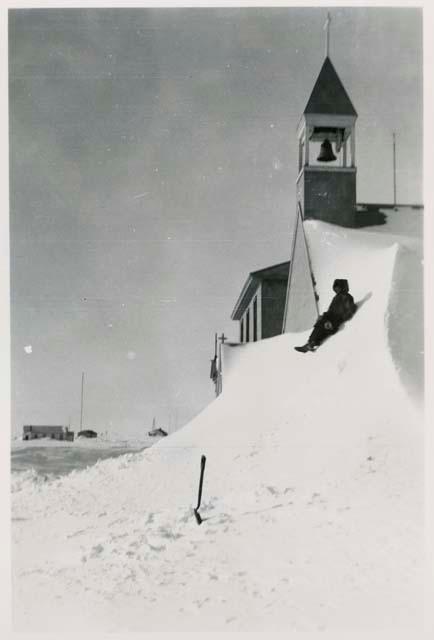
(118, 537)
(186, 517)
(96, 551)
(225, 518)
(341, 365)
(168, 534)
(316, 499)
(76, 533)
(156, 547)
(208, 505)
(117, 521)
(272, 490)
(200, 603)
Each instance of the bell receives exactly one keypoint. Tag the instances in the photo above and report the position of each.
(326, 152)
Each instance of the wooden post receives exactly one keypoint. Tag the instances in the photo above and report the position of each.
(300, 155)
(316, 297)
(82, 392)
(222, 339)
(394, 169)
(353, 146)
(344, 154)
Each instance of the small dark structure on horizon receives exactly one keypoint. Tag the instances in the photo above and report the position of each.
(33, 432)
(157, 432)
(87, 433)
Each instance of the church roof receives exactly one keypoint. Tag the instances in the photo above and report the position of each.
(276, 272)
(328, 95)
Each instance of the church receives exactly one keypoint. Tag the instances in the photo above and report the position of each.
(325, 191)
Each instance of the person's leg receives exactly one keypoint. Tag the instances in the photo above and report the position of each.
(315, 337)
(323, 328)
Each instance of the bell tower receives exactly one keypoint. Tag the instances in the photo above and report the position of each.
(326, 182)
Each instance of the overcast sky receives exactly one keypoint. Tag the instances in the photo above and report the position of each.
(153, 157)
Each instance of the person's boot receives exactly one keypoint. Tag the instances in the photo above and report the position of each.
(306, 347)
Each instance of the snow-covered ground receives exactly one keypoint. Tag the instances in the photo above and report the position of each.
(57, 460)
(81, 442)
(313, 500)
(49, 458)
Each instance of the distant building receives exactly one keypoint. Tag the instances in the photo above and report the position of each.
(87, 433)
(32, 432)
(157, 432)
(261, 304)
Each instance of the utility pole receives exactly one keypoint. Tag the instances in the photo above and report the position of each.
(394, 169)
(82, 391)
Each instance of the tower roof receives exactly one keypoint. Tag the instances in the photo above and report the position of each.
(328, 95)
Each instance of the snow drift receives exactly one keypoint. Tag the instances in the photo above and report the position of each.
(313, 494)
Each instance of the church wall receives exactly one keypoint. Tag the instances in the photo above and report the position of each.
(273, 306)
(248, 316)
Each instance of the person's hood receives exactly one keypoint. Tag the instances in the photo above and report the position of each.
(342, 284)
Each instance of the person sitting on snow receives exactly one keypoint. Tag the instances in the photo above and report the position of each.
(341, 309)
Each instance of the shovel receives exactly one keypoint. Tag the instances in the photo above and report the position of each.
(202, 471)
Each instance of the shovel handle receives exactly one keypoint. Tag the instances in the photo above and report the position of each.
(202, 471)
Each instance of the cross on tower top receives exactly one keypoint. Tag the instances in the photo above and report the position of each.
(327, 30)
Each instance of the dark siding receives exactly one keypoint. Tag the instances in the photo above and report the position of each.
(273, 306)
(328, 196)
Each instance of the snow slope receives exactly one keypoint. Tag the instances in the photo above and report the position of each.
(313, 495)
